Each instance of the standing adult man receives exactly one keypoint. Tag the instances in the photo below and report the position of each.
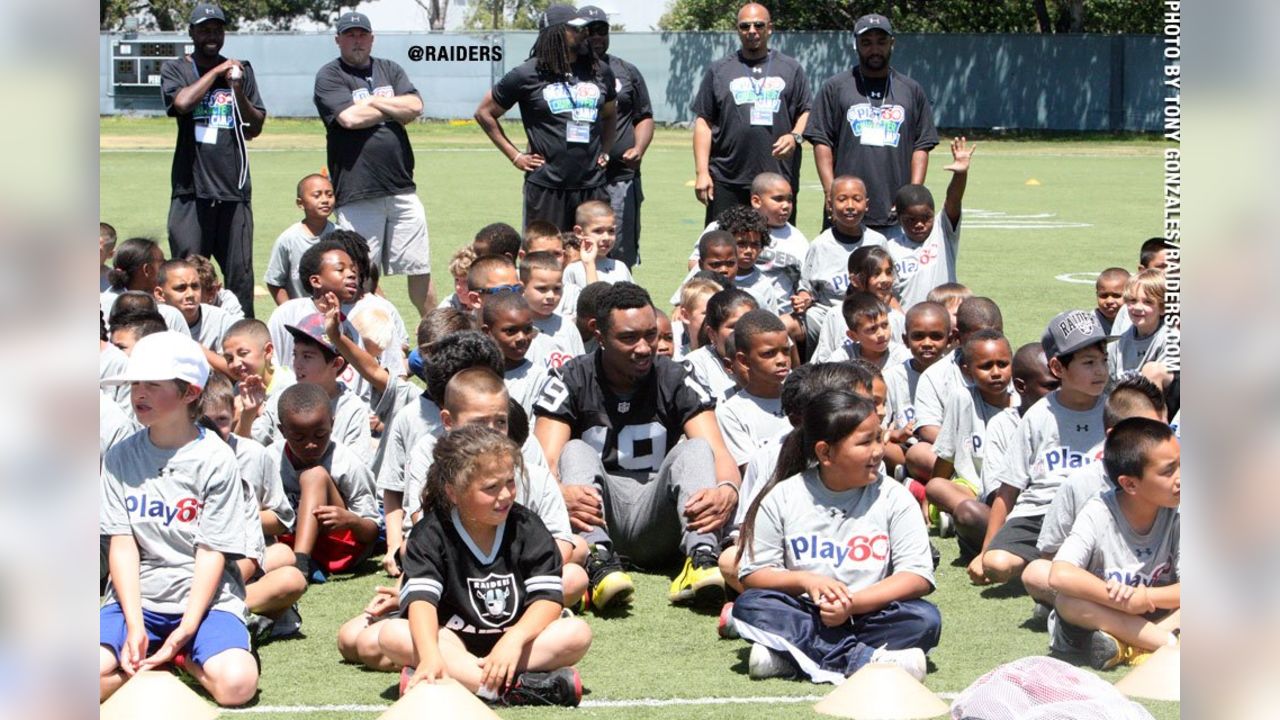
(610, 424)
(872, 122)
(567, 106)
(751, 111)
(365, 102)
(216, 103)
(635, 132)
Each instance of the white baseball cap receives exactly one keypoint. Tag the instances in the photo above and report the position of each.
(165, 356)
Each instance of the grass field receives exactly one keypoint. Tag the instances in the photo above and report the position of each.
(1091, 205)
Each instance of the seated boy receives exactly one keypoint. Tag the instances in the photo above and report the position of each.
(330, 489)
(928, 326)
(1054, 437)
(950, 296)
(690, 314)
(543, 280)
(272, 589)
(1117, 575)
(709, 364)
(594, 225)
(1109, 289)
(316, 361)
(494, 275)
(771, 287)
(131, 327)
(211, 290)
(250, 358)
(717, 255)
(542, 236)
(753, 416)
(1146, 339)
(315, 200)
(773, 198)
(497, 239)
(666, 346)
(459, 265)
(178, 285)
(506, 318)
(868, 321)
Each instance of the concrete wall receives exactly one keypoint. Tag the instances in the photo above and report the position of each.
(1057, 82)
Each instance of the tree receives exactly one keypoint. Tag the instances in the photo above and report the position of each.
(955, 16)
(437, 10)
(171, 15)
(505, 14)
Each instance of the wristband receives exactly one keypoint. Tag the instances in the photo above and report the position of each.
(729, 484)
(516, 159)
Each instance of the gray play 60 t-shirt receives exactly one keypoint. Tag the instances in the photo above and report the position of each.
(1103, 542)
(172, 501)
(858, 537)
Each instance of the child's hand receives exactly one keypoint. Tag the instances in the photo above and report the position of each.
(430, 669)
(375, 424)
(389, 564)
(385, 600)
(134, 650)
(329, 305)
(499, 667)
(897, 436)
(961, 154)
(829, 590)
(332, 517)
(590, 251)
(978, 573)
(171, 647)
(1131, 599)
(1158, 373)
(801, 302)
(253, 393)
(834, 613)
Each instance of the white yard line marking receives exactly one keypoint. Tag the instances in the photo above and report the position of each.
(620, 704)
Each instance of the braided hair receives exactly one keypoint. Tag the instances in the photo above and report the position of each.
(551, 50)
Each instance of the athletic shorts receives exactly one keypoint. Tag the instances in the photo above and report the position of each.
(557, 206)
(1018, 536)
(395, 227)
(218, 631)
(336, 552)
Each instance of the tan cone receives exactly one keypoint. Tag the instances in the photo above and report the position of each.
(444, 699)
(881, 691)
(155, 695)
(1159, 678)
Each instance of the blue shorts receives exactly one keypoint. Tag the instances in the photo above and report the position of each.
(220, 630)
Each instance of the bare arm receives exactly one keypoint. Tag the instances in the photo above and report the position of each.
(801, 123)
(609, 133)
(928, 433)
(824, 161)
(919, 166)
(961, 154)
(279, 294)
(486, 117)
(552, 434)
(403, 109)
(644, 135)
(359, 116)
(190, 96)
(702, 184)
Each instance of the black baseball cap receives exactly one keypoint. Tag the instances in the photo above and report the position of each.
(561, 15)
(205, 12)
(593, 14)
(352, 21)
(873, 21)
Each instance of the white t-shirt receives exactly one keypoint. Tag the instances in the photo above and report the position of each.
(112, 362)
(230, 304)
(524, 384)
(211, 327)
(412, 422)
(919, 268)
(895, 355)
(561, 330)
(962, 437)
(258, 468)
(113, 424)
(286, 256)
(1081, 485)
(900, 380)
(935, 387)
(607, 270)
(350, 424)
(787, 247)
(1126, 356)
(1002, 435)
(352, 477)
(1052, 441)
(747, 422)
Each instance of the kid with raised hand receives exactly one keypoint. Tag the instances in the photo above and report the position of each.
(250, 358)
(835, 557)
(924, 246)
(870, 270)
(482, 558)
(707, 364)
(1118, 573)
(315, 200)
(595, 227)
(173, 505)
(960, 485)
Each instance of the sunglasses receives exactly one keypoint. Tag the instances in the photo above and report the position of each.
(517, 288)
(598, 29)
(750, 25)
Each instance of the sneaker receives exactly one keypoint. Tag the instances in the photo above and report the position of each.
(725, 627)
(700, 582)
(1106, 652)
(911, 659)
(561, 687)
(406, 673)
(259, 627)
(289, 623)
(1040, 614)
(311, 569)
(764, 663)
(608, 583)
(935, 554)
(946, 525)
(565, 613)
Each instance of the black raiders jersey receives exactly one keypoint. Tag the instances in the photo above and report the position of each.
(477, 596)
(632, 433)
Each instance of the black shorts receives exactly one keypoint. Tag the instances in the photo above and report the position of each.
(1018, 536)
(557, 206)
(221, 231)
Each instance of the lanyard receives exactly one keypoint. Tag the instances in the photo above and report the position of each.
(888, 82)
(758, 89)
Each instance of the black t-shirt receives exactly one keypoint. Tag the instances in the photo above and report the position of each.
(207, 156)
(562, 120)
(372, 162)
(477, 596)
(772, 90)
(633, 434)
(633, 106)
(872, 127)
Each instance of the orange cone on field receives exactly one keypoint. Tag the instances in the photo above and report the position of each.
(881, 691)
(444, 699)
(1158, 678)
(156, 695)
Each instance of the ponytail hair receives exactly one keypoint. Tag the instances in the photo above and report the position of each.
(131, 256)
(456, 458)
(831, 417)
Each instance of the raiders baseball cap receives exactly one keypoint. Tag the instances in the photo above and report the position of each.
(872, 22)
(561, 15)
(164, 356)
(593, 14)
(311, 329)
(353, 21)
(207, 11)
(1071, 331)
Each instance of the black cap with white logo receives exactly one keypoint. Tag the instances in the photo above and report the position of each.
(872, 22)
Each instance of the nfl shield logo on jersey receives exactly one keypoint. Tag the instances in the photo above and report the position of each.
(494, 598)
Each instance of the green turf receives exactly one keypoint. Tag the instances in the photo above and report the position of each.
(660, 652)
